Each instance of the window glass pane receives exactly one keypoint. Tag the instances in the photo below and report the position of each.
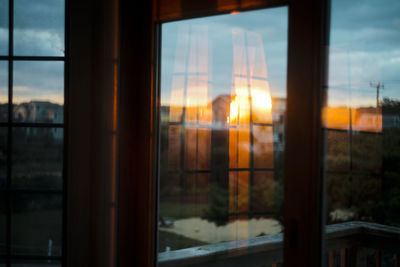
(363, 134)
(3, 156)
(3, 27)
(37, 158)
(36, 224)
(38, 92)
(337, 150)
(3, 91)
(39, 27)
(367, 152)
(223, 101)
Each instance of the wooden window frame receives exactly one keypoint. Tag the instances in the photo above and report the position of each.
(303, 193)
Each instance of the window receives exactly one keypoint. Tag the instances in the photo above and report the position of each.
(362, 133)
(32, 63)
(304, 157)
(223, 100)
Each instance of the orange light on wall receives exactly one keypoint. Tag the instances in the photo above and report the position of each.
(261, 103)
(361, 119)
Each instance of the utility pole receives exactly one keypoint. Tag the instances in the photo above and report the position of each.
(378, 86)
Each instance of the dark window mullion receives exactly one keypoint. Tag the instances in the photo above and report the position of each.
(36, 258)
(32, 58)
(31, 124)
(31, 191)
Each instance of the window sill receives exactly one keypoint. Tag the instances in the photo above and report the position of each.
(269, 249)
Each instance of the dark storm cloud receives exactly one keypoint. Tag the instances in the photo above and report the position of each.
(3, 27)
(39, 27)
(39, 14)
(3, 14)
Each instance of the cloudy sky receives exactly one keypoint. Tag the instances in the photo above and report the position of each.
(38, 31)
(365, 48)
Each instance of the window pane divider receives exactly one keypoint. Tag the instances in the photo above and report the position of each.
(33, 58)
(303, 186)
(32, 124)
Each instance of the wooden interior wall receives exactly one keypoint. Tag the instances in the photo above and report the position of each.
(91, 130)
(303, 192)
(136, 201)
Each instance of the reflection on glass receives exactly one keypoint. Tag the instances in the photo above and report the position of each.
(362, 121)
(38, 92)
(39, 27)
(265, 192)
(3, 27)
(3, 91)
(221, 130)
(37, 158)
(36, 224)
(3, 156)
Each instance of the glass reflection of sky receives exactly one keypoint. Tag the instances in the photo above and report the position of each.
(365, 38)
(270, 24)
(223, 79)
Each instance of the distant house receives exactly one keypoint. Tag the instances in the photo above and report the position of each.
(40, 112)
